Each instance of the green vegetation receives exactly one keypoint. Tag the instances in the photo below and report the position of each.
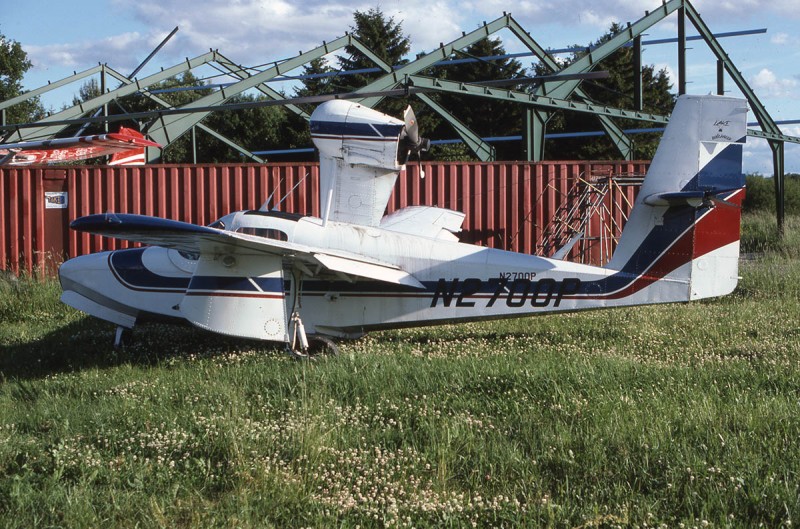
(761, 194)
(679, 415)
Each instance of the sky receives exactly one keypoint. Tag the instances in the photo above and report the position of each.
(61, 37)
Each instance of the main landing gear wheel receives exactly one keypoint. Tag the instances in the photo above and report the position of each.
(318, 347)
(321, 346)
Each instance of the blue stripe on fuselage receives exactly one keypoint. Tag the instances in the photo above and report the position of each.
(127, 266)
(237, 284)
(374, 130)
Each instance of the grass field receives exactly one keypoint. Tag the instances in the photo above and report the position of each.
(674, 416)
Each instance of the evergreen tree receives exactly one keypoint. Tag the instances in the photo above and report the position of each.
(386, 39)
(486, 117)
(614, 91)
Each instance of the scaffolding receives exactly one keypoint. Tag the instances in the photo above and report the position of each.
(588, 223)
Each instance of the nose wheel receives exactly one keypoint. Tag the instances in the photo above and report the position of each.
(122, 336)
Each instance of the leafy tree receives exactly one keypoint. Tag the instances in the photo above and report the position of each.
(615, 91)
(258, 128)
(760, 194)
(88, 90)
(14, 63)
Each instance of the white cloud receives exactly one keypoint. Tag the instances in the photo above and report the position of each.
(766, 83)
(758, 154)
(784, 39)
(125, 49)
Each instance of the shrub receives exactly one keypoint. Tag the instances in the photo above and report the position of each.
(761, 194)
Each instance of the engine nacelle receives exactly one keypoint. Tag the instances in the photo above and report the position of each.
(357, 135)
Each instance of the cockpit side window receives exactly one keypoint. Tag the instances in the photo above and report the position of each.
(267, 233)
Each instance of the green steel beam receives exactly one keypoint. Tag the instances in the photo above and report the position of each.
(240, 73)
(443, 52)
(484, 151)
(170, 127)
(51, 86)
(536, 127)
(541, 102)
(769, 128)
(761, 114)
(681, 51)
(535, 147)
(778, 158)
(638, 92)
(78, 110)
(562, 89)
(125, 80)
(396, 77)
(772, 137)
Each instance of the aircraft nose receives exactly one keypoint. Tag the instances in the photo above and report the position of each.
(89, 286)
(84, 272)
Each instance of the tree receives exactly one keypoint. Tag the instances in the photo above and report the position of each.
(386, 39)
(486, 117)
(14, 63)
(614, 91)
(88, 90)
(316, 79)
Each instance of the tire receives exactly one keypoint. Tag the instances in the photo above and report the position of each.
(319, 345)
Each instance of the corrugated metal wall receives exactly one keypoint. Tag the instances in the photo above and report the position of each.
(507, 204)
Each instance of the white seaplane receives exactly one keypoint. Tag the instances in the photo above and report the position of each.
(287, 278)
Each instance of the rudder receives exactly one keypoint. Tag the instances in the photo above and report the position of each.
(686, 219)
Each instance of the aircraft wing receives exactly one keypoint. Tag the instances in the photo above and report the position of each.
(127, 143)
(203, 239)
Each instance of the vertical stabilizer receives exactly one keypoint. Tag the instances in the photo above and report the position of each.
(685, 223)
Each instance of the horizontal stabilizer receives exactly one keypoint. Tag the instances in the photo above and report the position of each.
(425, 221)
(694, 199)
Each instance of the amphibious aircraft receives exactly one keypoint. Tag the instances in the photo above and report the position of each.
(126, 147)
(288, 278)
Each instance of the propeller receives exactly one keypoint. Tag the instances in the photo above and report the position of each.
(416, 144)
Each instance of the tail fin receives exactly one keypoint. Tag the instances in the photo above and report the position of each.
(684, 227)
(133, 156)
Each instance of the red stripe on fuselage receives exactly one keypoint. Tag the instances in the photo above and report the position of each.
(718, 227)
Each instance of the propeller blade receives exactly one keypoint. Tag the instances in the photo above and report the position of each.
(412, 128)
